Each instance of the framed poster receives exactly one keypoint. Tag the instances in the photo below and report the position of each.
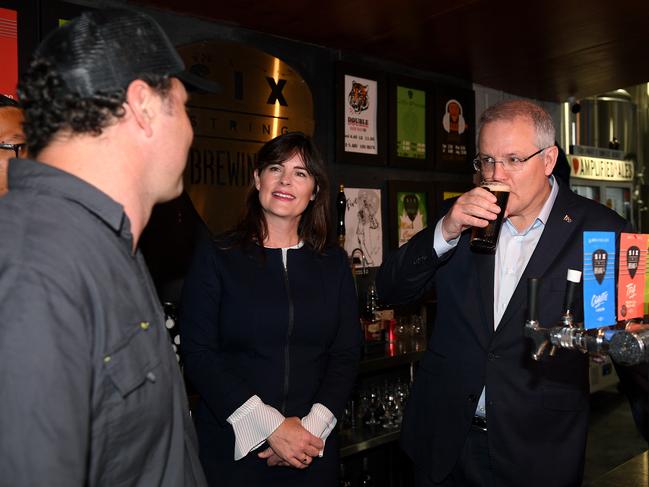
(360, 116)
(410, 112)
(454, 127)
(411, 209)
(363, 224)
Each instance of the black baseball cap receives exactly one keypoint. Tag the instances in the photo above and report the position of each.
(104, 50)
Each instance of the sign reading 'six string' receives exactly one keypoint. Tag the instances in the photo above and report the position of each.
(631, 280)
(599, 279)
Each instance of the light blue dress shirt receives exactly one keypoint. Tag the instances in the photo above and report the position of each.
(513, 252)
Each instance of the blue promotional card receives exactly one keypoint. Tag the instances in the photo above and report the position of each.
(599, 279)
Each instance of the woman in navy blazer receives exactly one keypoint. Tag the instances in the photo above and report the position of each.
(270, 330)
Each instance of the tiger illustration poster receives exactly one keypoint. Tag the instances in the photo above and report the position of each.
(360, 115)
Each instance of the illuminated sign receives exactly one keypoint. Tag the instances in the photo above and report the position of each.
(595, 168)
(262, 97)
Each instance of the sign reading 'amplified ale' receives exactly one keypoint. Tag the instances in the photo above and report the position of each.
(262, 97)
(597, 168)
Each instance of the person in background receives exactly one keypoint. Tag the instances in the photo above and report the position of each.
(91, 391)
(270, 330)
(12, 139)
(482, 412)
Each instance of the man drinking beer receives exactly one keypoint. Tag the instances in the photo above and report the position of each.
(482, 412)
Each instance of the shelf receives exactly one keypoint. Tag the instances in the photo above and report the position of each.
(361, 439)
(388, 355)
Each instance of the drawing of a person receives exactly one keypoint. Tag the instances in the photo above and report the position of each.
(453, 120)
(367, 208)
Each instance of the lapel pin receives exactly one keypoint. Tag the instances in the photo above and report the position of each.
(567, 218)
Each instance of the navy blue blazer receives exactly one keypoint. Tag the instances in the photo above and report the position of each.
(290, 337)
(537, 411)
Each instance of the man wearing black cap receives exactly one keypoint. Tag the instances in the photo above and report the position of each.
(91, 391)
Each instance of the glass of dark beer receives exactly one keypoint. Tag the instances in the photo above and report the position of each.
(485, 239)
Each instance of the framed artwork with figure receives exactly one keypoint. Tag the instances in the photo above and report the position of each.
(454, 127)
(410, 208)
(363, 224)
(360, 115)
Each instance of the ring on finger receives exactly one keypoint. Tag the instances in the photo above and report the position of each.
(305, 459)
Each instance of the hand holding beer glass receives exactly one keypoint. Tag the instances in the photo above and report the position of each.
(475, 209)
(483, 208)
(484, 239)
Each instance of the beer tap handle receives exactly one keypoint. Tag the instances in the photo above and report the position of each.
(539, 350)
(573, 277)
(532, 329)
(532, 299)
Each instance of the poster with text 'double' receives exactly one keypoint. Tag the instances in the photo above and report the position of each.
(361, 115)
(599, 279)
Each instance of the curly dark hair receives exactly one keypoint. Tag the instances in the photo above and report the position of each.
(314, 226)
(50, 107)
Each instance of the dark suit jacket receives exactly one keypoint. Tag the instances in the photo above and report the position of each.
(292, 337)
(537, 411)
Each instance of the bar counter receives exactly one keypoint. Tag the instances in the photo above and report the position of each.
(633, 473)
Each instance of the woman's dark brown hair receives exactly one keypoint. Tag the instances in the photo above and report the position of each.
(313, 229)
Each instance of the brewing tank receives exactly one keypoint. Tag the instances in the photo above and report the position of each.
(609, 121)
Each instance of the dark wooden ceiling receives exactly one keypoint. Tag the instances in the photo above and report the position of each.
(545, 49)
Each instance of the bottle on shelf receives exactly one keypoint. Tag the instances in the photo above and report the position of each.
(372, 321)
(341, 206)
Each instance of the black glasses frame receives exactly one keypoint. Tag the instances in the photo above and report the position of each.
(17, 148)
(477, 162)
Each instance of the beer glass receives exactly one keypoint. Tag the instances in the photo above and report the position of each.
(485, 239)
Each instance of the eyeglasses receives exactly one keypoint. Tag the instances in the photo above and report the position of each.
(17, 148)
(487, 165)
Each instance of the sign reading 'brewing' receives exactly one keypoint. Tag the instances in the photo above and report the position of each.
(262, 97)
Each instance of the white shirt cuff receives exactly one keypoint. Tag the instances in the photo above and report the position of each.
(319, 422)
(440, 245)
(252, 423)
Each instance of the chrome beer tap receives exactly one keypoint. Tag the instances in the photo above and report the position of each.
(627, 344)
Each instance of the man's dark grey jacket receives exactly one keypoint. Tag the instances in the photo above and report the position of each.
(91, 391)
